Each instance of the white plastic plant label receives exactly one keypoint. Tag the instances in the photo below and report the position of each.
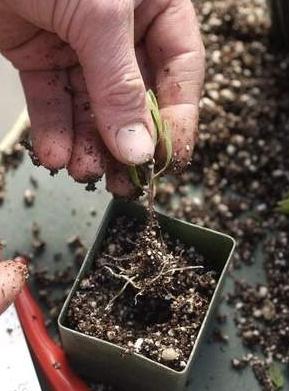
(17, 372)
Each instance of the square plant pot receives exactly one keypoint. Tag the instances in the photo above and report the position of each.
(103, 361)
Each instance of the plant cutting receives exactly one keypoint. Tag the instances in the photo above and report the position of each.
(140, 304)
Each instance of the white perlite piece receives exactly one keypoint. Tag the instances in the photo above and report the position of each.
(138, 344)
(170, 354)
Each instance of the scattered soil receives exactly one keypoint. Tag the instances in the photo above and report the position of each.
(38, 244)
(29, 197)
(145, 293)
(260, 368)
(241, 162)
(47, 283)
(26, 143)
(91, 185)
(78, 248)
(10, 161)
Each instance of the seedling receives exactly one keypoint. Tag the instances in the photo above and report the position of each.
(149, 269)
(162, 135)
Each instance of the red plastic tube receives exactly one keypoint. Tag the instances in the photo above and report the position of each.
(50, 356)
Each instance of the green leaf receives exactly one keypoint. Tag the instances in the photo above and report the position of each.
(154, 109)
(162, 134)
(167, 140)
(276, 377)
(283, 206)
(162, 129)
(134, 176)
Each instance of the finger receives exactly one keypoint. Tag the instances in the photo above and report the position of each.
(176, 50)
(114, 82)
(145, 13)
(47, 51)
(144, 66)
(49, 107)
(137, 3)
(87, 160)
(12, 278)
(117, 179)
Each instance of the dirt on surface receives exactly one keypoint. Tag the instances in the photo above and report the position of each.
(241, 162)
(146, 293)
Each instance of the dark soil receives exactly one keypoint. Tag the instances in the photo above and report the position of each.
(145, 293)
(260, 368)
(242, 163)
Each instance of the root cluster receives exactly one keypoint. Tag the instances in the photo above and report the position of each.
(149, 268)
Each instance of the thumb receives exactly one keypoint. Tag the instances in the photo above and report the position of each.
(114, 82)
(12, 278)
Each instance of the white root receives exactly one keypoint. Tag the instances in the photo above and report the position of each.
(180, 269)
(123, 277)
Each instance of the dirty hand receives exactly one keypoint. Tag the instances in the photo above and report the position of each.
(86, 64)
(12, 278)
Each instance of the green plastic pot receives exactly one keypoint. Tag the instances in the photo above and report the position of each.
(102, 361)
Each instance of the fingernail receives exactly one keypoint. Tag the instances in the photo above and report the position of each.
(135, 144)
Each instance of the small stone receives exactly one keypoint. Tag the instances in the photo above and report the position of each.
(213, 94)
(231, 150)
(138, 344)
(238, 364)
(111, 248)
(207, 103)
(74, 241)
(227, 95)
(110, 335)
(56, 365)
(85, 283)
(169, 354)
(268, 311)
(93, 212)
(263, 292)
(257, 313)
(29, 197)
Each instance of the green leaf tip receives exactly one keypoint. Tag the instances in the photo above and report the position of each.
(162, 135)
(276, 377)
(283, 206)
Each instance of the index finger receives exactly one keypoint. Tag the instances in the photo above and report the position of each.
(12, 278)
(175, 48)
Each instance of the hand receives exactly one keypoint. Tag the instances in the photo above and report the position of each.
(85, 66)
(12, 278)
